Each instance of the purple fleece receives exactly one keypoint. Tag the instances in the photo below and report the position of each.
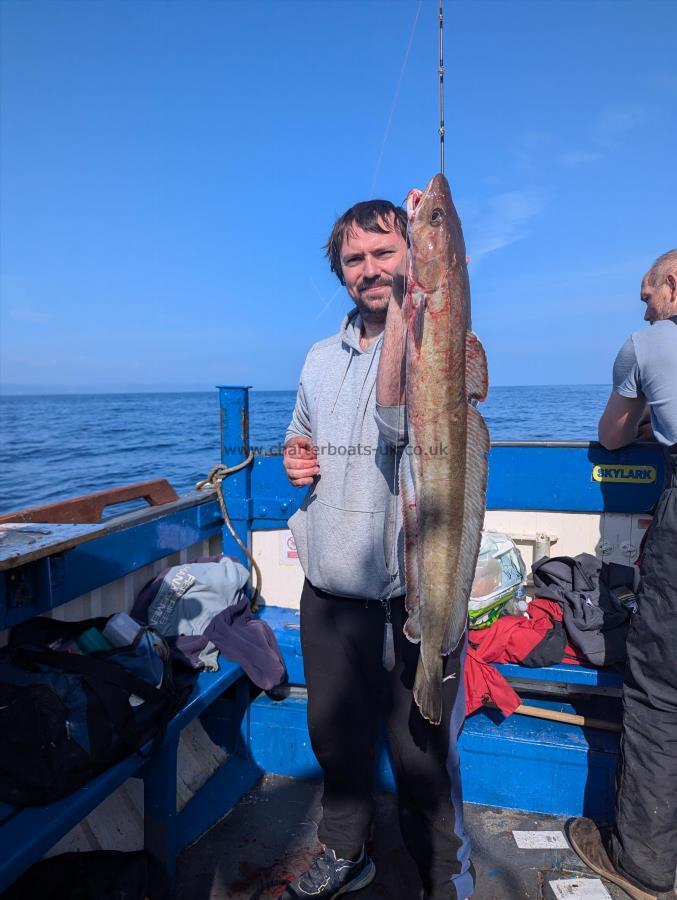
(236, 633)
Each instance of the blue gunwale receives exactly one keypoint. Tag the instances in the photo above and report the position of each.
(525, 476)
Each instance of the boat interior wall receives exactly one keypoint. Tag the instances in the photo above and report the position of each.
(614, 537)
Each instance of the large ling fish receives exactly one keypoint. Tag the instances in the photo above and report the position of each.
(444, 472)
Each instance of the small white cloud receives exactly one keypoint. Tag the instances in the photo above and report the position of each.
(665, 81)
(579, 158)
(28, 315)
(615, 122)
(501, 221)
(532, 148)
(612, 125)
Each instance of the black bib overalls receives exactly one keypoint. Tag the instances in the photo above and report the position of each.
(645, 840)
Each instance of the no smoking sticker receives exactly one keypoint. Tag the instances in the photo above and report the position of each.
(289, 555)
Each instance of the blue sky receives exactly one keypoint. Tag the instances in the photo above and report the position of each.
(170, 170)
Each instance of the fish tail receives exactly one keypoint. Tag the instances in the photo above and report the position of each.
(428, 689)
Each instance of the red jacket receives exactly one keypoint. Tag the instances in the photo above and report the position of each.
(511, 639)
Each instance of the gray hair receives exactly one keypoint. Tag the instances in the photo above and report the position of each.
(665, 265)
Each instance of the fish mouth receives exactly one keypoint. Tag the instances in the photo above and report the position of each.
(413, 200)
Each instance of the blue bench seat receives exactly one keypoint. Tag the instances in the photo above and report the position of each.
(518, 762)
(27, 833)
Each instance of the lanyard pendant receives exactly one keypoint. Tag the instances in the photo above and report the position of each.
(388, 641)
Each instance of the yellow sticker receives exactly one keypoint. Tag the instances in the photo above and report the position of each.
(625, 474)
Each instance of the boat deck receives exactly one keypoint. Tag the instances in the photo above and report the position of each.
(270, 837)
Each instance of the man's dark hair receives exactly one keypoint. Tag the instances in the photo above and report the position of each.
(369, 215)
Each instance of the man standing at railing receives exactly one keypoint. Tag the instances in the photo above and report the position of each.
(640, 854)
(345, 439)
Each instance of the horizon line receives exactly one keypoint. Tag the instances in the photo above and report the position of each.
(61, 391)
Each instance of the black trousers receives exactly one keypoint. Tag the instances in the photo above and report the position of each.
(644, 844)
(351, 698)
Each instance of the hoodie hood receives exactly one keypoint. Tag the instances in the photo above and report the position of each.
(350, 331)
(349, 336)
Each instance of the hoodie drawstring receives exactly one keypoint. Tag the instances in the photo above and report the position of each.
(345, 375)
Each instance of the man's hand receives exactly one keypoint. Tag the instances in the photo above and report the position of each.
(620, 420)
(645, 431)
(392, 369)
(300, 461)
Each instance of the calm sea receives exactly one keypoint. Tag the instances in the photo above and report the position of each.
(53, 447)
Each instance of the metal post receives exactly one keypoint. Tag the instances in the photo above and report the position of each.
(541, 546)
(159, 805)
(234, 405)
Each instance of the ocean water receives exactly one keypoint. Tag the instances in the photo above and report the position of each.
(59, 446)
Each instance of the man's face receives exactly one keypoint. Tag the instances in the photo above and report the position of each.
(661, 300)
(373, 267)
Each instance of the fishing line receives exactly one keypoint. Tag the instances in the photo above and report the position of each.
(388, 658)
(441, 74)
(398, 463)
(395, 98)
(393, 562)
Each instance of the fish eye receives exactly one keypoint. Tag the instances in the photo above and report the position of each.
(437, 216)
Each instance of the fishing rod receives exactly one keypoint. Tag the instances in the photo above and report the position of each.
(441, 74)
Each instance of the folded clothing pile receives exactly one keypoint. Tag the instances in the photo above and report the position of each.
(203, 609)
(580, 616)
(597, 599)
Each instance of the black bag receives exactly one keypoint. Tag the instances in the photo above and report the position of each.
(64, 717)
(100, 875)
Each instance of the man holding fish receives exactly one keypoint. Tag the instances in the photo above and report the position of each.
(395, 459)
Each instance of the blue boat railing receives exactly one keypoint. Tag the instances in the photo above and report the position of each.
(70, 560)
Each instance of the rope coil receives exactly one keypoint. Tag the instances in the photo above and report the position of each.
(215, 480)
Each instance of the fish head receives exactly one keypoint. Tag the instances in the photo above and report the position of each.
(434, 235)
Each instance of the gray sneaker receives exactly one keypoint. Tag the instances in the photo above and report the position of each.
(330, 877)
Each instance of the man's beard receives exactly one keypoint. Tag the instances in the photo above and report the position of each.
(374, 308)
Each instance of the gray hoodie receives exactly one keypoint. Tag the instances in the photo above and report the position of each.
(348, 531)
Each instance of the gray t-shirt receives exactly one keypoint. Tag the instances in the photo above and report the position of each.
(646, 366)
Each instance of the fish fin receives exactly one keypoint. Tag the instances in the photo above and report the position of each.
(412, 627)
(418, 320)
(476, 374)
(408, 301)
(477, 448)
(391, 535)
(428, 690)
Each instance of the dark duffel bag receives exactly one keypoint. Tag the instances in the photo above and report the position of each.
(65, 717)
(100, 875)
